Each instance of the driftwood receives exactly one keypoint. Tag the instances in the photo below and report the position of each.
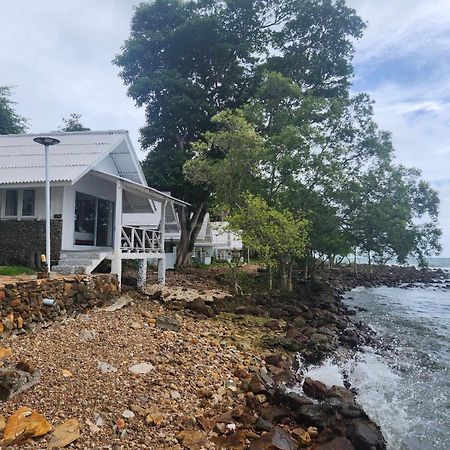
(13, 381)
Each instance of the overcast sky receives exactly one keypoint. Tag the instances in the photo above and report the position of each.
(58, 55)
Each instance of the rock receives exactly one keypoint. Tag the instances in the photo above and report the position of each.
(5, 353)
(234, 440)
(127, 414)
(263, 424)
(105, 367)
(199, 306)
(26, 366)
(339, 443)
(256, 385)
(175, 395)
(167, 323)
(66, 373)
(301, 436)
(135, 326)
(15, 381)
(192, 439)
(276, 439)
(294, 400)
(138, 410)
(119, 304)
(310, 415)
(87, 335)
(25, 423)
(2, 422)
(273, 325)
(206, 424)
(314, 389)
(120, 424)
(65, 434)
(274, 413)
(366, 436)
(155, 419)
(312, 431)
(274, 360)
(343, 394)
(142, 368)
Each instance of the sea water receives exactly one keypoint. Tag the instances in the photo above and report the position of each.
(405, 386)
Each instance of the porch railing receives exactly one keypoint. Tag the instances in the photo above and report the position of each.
(140, 240)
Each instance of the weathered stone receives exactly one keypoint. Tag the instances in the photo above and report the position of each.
(340, 392)
(24, 424)
(301, 436)
(339, 443)
(142, 368)
(256, 385)
(310, 415)
(15, 381)
(276, 439)
(192, 439)
(274, 413)
(87, 335)
(64, 434)
(105, 367)
(314, 388)
(167, 323)
(206, 424)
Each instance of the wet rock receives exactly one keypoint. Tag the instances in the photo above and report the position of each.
(294, 400)
(314, 389)
(311, 415)
(366, 436)
(339, 443)
(343, 394)
(13, 381)
(168, 323)
(276, 439)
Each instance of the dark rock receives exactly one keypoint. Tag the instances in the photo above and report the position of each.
(339, 443)
(311, 415)
(294, 400)
(343, 394)
(198, 305)
(263, 424)
(15, 381)
(273, 325)
(167, 323)
(276, 439)
(256, 385)
(274, 360)
(314, 389)
(274, 413)
(366, 436)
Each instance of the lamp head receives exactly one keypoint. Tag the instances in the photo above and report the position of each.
(46, 140)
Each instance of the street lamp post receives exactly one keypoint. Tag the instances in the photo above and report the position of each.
(47, 142)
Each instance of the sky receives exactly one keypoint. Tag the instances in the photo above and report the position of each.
(58, 55)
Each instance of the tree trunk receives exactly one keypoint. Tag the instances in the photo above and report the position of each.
(191, 224)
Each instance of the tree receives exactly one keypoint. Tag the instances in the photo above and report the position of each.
(275, 235)
(10, 121)
(188, 61)
(73, 123)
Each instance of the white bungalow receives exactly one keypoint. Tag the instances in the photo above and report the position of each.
(97, 190)
(215, 242)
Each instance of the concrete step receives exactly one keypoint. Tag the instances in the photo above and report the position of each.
(69, 270)
(79, 255)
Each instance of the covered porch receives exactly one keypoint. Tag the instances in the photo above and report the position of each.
(104, 225)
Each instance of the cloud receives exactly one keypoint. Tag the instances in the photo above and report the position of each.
(402, 62)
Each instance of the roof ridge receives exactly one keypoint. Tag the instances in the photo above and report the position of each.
(66, 133)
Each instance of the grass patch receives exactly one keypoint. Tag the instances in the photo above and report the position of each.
(16, 270)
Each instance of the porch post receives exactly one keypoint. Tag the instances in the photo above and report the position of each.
(162, 229)
(116, 262)
(142, 273)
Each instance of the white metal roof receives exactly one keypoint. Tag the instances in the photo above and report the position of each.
(22, 159)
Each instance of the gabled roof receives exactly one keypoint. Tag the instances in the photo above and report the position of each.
(22, 159)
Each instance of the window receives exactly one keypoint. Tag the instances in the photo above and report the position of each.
(28, 202)
(12, 196)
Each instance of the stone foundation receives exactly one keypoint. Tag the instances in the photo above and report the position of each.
(21, 303)
(23, 241)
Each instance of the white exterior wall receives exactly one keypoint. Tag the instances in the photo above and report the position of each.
(56, 195)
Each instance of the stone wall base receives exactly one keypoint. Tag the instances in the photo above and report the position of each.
(22, 303)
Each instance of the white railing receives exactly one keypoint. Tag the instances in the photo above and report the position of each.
(140, 240)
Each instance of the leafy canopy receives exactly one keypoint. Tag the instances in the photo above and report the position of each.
(10, 121)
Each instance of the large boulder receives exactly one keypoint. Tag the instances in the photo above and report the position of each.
(276, 439)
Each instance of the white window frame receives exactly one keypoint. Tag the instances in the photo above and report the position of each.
(19, 216)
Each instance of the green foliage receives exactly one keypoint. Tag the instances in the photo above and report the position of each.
(15, 271)
(73, 123)
(10, 121)
(275, 235)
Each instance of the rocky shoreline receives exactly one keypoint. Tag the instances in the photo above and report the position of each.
(220, 371)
